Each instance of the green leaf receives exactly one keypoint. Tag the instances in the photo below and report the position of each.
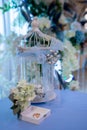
(16, 110)
(14, 106)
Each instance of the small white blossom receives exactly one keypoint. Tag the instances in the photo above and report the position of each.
(69, 33)
(44, 22)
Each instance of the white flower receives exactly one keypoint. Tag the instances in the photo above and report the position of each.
(44, 22)
(74, 85)
(22, 83)
(63, 19)
(76, 26)
(69, 33)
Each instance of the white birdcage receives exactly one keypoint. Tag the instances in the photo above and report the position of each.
(36, 58)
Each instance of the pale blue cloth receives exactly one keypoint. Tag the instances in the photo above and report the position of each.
(69, 112)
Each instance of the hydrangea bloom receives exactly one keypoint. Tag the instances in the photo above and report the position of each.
(80, 37)
(70, 62)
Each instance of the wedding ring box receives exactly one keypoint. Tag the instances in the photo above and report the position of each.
(34, 114)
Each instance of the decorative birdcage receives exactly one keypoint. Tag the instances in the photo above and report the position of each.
(36, 56)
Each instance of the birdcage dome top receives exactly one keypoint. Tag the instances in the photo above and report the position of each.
(36, 40)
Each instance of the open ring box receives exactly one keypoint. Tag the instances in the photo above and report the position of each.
(34, 114)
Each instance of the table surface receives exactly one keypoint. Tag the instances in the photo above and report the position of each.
(68, 112)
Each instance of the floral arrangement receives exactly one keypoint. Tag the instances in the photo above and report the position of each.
(21, 96)
(79, 35)
(74, 85)
(69, 60)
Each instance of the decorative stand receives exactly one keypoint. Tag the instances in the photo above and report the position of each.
(36, 58)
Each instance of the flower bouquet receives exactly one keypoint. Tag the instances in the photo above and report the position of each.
(21, 96)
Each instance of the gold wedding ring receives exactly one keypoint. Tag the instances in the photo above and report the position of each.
(36, 115)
